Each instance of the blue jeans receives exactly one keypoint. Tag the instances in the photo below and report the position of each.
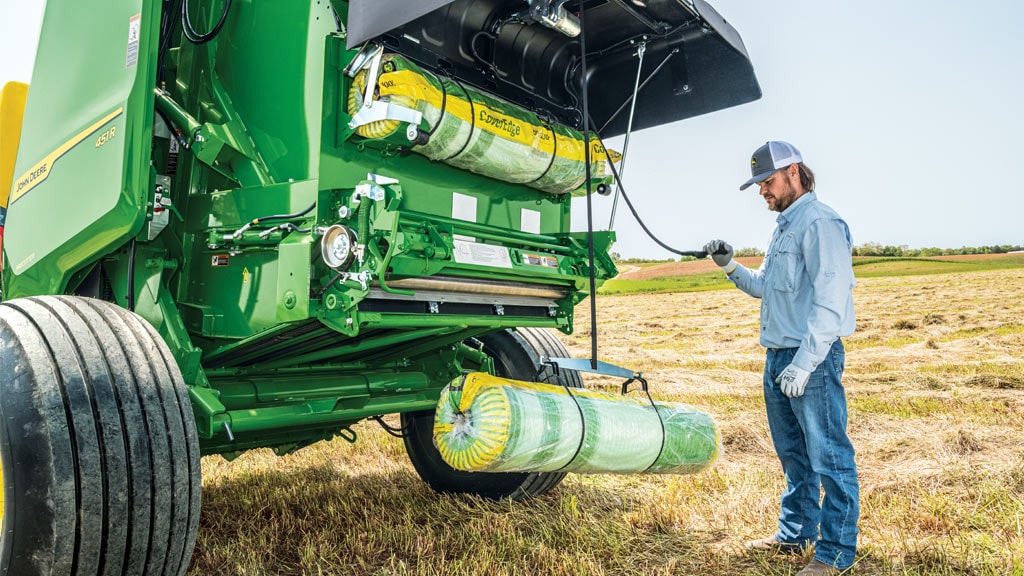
(809, 433)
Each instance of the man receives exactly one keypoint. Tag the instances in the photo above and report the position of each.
(806, 289)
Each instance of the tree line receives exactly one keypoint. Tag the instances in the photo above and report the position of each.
(875, 249)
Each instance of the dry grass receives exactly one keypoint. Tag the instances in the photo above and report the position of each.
(935, 377)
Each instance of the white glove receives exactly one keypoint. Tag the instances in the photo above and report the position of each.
(724, 260)
(793, 381)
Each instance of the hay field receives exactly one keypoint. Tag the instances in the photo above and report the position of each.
(935, 378)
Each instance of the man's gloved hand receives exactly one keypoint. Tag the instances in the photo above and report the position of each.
(724, 260)
(793, 381)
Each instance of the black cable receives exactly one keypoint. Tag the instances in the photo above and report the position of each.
(190, 32)
(622, 190)
(583, 419)
(284, 216)
(396, 432)
(590, 204)
(643, 386)
(167, 26)
(329, 284)
(472, 119)
(255, 221)
(554, 154)
(170, 128)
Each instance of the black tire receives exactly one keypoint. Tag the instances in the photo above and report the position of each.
(98, 444)
(516, 355)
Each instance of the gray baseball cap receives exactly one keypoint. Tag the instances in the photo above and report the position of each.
(773, 156)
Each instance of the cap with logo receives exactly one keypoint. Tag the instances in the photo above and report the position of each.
(773, 156)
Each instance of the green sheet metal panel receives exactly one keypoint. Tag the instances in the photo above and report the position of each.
(82, 177)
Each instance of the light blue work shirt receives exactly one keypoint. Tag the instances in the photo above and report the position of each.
(805, 282)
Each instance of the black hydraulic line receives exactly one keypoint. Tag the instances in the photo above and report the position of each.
(396, 432)
(190, 32)
(170, 128)
(699, 254)
(255, 221)
(283, 216)
(167, 25)
(590, 202)
(329, 284)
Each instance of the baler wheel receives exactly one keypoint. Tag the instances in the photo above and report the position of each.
(98, 444)
(517, 355)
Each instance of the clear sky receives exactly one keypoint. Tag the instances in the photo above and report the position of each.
(909, 112)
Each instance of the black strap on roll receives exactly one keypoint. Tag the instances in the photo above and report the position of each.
(643, 386)
(444, 104)
(568, 389)
(455, 393)
(472, 119)
(554, 152)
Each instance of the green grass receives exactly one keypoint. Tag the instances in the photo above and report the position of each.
(863, 268)
(879, 267)
(937, 430)
(685, 283)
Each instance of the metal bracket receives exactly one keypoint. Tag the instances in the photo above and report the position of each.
(160, 209)
(371, 191)
(378, 110)
(362, 58)
(552, 13)
(363, 278)
(584, 365)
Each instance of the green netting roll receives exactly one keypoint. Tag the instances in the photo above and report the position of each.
(489, 424)
(481, 133)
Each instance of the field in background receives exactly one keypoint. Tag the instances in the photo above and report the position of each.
(935, 379)
(704, 275)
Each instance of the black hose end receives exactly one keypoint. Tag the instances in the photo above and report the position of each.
(417, 137)
(604, 189)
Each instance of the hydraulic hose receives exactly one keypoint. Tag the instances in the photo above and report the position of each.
(190, 32)
(699, 254)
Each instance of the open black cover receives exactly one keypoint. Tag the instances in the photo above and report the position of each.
(495, 46)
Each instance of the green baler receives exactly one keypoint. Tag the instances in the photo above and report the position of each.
(248, 224)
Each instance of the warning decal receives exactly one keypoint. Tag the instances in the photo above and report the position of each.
(134, 30)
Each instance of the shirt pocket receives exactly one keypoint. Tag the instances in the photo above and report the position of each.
(788, 265)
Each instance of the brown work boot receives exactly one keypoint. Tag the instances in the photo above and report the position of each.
(816, 568)
(772, 545)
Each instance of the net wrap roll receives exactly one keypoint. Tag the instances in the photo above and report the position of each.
(481, 133)
(485, 423)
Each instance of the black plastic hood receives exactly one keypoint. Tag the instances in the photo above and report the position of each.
(694, 61)
(368, 19)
